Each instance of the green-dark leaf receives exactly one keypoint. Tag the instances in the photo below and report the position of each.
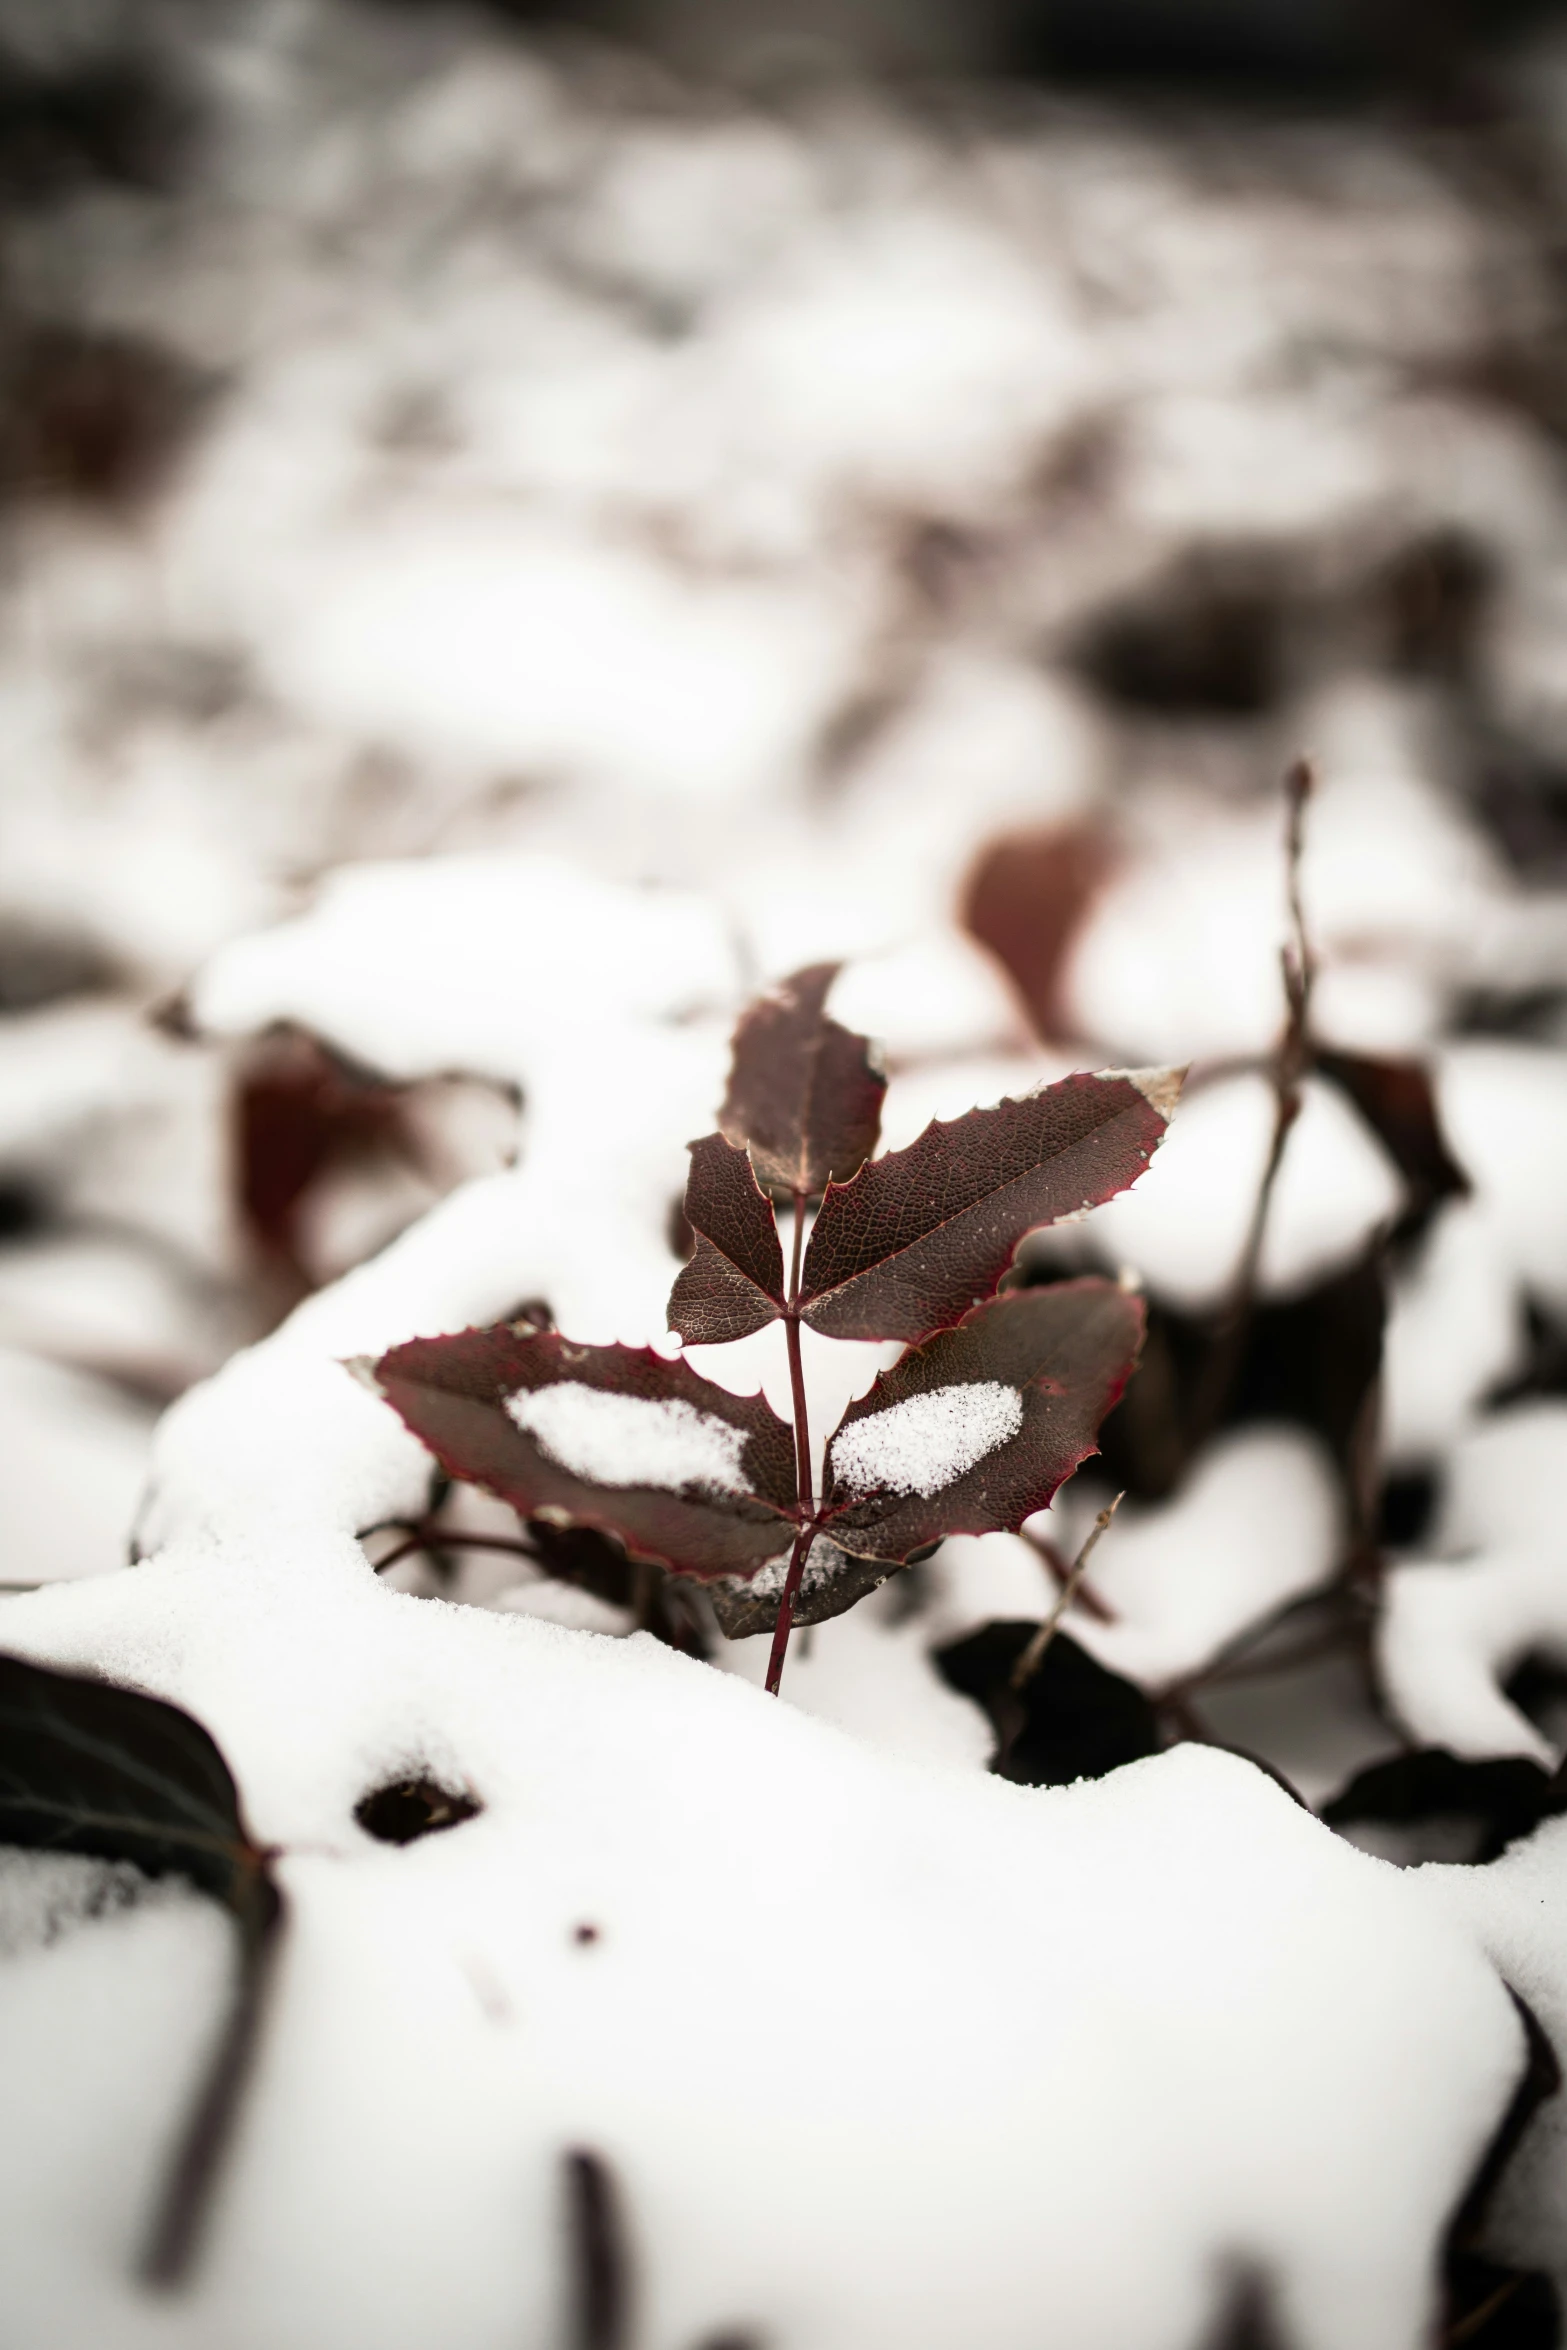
(90, 1768)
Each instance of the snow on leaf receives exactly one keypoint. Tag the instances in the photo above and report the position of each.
(733, 1283)
(927, 1441)
(90, 1768)
(833, 1582)
(925, 1233)
(613, 1437)
(1062, 1354)
(804, 1096)
(630, 1439)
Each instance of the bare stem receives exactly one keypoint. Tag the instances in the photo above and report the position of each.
(803, 1490)
(1287, 1067)
(785, 1621)
(442, 1538)
(1032, 1657)
(1292, 1054)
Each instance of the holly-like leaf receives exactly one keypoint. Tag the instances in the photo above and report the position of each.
(832, 1583)
(925, 1233)
(90, 1768)
(804, 1094)
(615, 1437)
(974, 1431)
(733, 1283)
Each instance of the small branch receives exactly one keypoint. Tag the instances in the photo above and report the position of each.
(184, 2203)
(1292, 1054)
(1286, 1068)
(1033, 1655)
(803, 1484)
(427, 1537)
(1056, 1567)
(600, 2255)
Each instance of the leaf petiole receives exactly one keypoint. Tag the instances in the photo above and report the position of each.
(804, 1493)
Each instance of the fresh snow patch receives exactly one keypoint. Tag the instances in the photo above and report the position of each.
(923, 1444)
(630, 1439)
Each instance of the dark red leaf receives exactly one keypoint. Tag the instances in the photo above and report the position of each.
(1398, 1103)
(990, 1417)
(1027, 899)
(614, 1437)
(804, 1096)
(300, 1114)
(733, 1283)
(832, 1583)
(925, 1233)
(87, 1767)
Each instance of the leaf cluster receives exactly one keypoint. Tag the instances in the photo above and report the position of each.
(997, 1399)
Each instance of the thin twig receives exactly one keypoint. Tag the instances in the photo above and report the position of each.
(1032, 1657)
(1056, 1567)
(1292, 1054)
(1287, 1066)
(432, 1538)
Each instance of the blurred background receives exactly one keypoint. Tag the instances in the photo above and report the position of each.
(915, 472)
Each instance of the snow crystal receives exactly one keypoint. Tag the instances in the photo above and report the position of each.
(631, 1439)
(922, 1444)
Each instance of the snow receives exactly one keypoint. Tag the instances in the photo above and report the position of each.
(716, 1837)
(631, 1439)
(1256, 1525)
(516, 955)
(638, 546)
(1453, 1628)
(1505, 1108)
(74, 1455)
(1454, 1331)
(1515, 1907)
(926, 1442)
(1183, 1226)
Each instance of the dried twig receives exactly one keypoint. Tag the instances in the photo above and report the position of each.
(1032, 1657)
(1292, 1054)
(1286, 1068)
(433, 1539)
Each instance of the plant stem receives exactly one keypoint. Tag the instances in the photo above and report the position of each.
(1287, 1067)
(1292, 1055)
(1033, 1655)
(803, 1490)
(442, 1538)
(785, 1620)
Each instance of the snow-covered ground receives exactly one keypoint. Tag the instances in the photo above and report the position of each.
(622, 543)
